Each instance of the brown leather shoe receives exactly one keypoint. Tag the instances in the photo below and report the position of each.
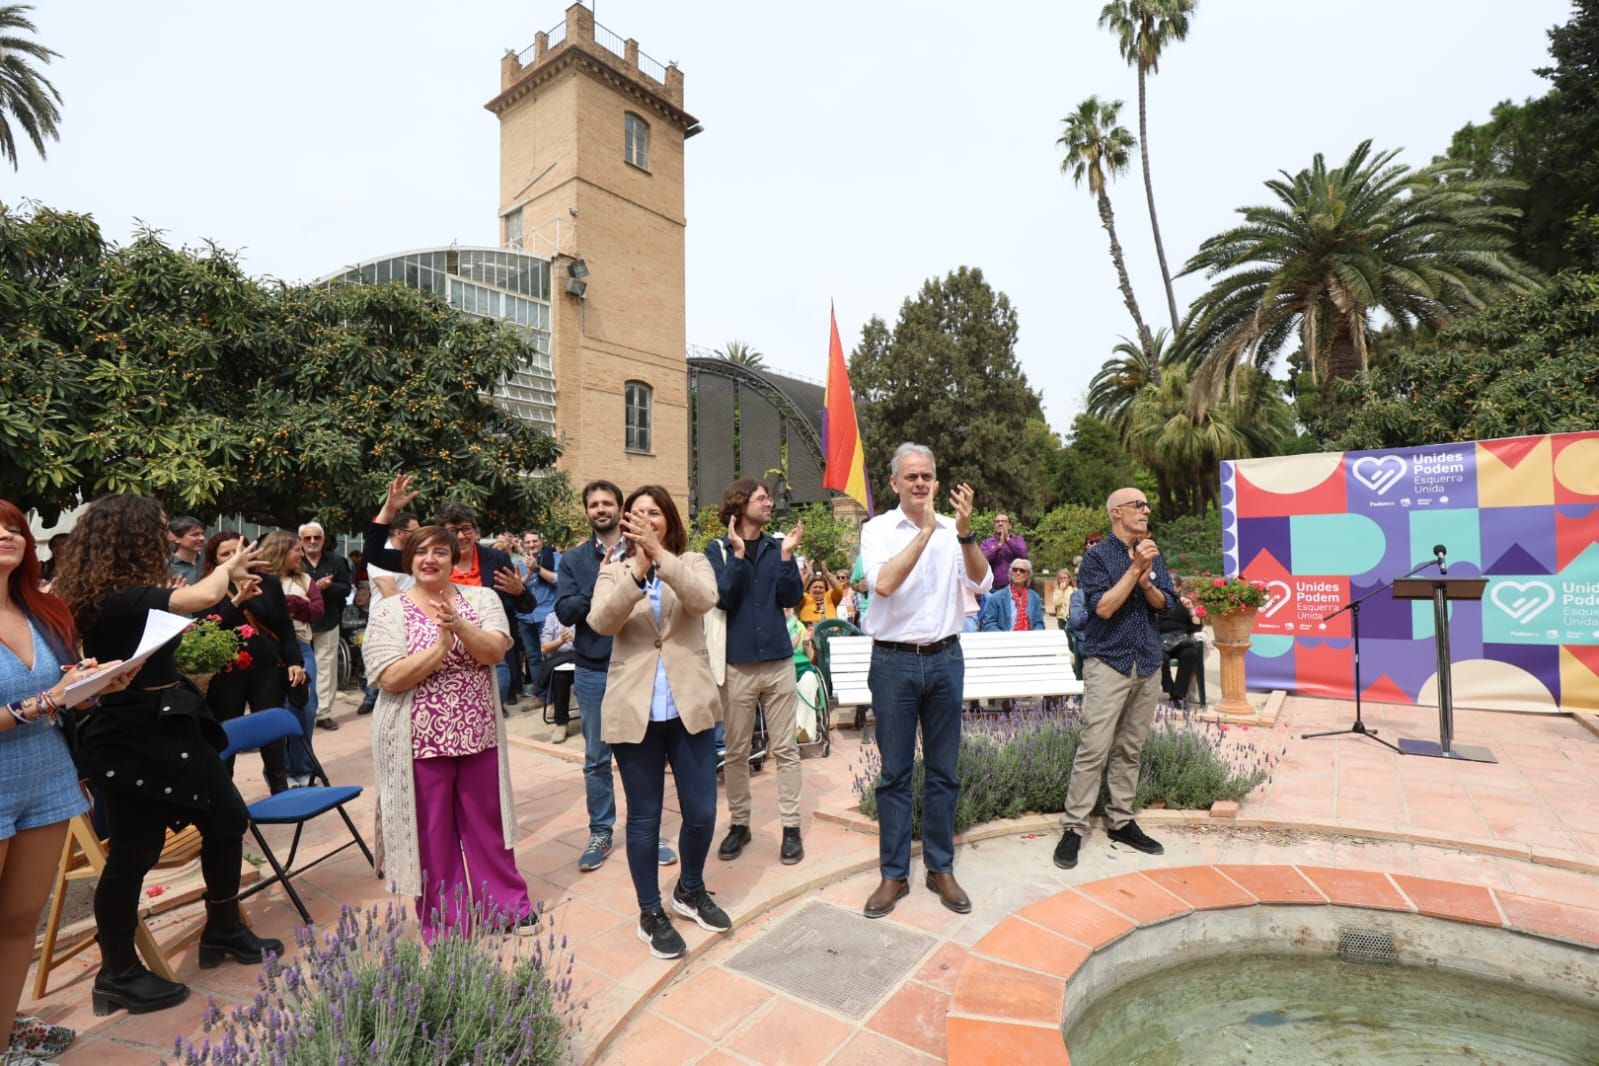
(888, 893)
(950, 893)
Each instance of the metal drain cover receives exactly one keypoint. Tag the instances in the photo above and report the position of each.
(1356, 944)
(834, 958)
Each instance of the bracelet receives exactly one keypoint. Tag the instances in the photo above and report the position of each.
(48, 706)
(16, 712)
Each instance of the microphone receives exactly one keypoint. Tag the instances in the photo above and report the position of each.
(1438, 555)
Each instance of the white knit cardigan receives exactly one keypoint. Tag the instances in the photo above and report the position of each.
(383, 646)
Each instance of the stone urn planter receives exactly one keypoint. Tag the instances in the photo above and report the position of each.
(1232, 640)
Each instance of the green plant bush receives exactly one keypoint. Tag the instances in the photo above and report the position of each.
(1015, 764)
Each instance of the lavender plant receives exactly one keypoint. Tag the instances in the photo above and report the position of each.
(1020, 763)
(369, 993)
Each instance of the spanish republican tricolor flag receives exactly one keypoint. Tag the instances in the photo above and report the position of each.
(844, 454)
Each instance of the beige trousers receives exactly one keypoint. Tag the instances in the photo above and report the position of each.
(772, 684)
(325, 646)
(1118, 710)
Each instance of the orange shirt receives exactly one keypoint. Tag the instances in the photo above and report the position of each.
(473, 576)
(809, 612)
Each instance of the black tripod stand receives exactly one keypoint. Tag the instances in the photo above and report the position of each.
(1353, 606)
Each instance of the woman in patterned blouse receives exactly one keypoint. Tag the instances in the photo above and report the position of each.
(439, 745)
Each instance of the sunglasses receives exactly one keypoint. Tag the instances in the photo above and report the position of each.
(1137, 505)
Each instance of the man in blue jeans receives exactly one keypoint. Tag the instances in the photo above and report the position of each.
(541, 562)
(918, 566)
(574, 591)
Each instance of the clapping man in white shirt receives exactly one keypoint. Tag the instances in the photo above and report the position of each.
(917, 564)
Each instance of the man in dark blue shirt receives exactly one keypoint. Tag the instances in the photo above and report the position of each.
(756, 577)
(1125, 588)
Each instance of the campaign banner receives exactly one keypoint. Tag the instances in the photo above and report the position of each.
(1322, 530)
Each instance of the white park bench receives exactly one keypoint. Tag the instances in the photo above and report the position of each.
(999, 666)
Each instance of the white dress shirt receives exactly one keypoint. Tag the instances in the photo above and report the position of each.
(375, 597)
(929, 604)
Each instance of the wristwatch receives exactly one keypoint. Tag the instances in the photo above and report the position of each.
(967, 539)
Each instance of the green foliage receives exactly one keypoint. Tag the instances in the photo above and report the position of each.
(743, 353)
(827, 536)
(1192, 543)
(706, 528)
(947, 377)
(26, 96)
(1549, 144)
(168, 372)
(1094, 464)
(207, 647)
(1309, 266)
(1057, 538)
(1528, 365)
(1011, 765)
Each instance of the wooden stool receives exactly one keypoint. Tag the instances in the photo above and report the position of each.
(82, 857)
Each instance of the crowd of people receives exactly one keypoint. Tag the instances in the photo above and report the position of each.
(671, 656)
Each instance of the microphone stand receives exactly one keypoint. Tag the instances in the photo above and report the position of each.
(1353, 606)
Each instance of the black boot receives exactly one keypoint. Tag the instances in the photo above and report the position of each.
(226, 934)
(124, 982)
(277, 783)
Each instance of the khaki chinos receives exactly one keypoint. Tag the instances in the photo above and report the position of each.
(772, 684)
(1118, 710)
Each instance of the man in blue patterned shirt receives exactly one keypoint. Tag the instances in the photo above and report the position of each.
(1125, 587)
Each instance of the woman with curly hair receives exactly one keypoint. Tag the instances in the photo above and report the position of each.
(256, 610)
(152, 749)
(282, 557)
(39, 790)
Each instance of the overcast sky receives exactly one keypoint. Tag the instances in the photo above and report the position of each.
(851, 150)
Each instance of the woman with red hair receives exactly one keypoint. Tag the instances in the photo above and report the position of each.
(39, 790)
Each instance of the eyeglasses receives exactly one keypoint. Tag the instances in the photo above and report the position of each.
(464, 527)
(1020, 570)
(1137, 505)
(312, 536)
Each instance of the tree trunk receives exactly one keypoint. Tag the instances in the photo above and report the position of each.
(1108, 219)
(1343, 356)
(1149, 193)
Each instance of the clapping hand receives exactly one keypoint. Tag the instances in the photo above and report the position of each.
(1144, 555)
(734, 539)
(960, 500)
(640, 531)
(791, 540)
(507, 581)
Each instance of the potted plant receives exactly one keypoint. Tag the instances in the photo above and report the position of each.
(1230, 605)
(207, 649)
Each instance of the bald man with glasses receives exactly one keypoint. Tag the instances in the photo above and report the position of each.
(1125, 587)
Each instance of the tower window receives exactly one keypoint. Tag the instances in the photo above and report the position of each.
(513, 229)
(638, 400)
(636, 141)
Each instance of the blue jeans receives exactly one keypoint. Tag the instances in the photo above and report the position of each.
(908, 689)
(502, 674)
(692, 757)
(533, 651)
(599, 789)
(299, 748)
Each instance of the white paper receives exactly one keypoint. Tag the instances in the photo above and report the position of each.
(160, 628)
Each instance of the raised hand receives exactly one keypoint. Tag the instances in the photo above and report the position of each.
(960, 501)
(247, 558)
(791, 540)
(734, 539)
(400, 496)
(507, 581)
(245, 588)
(641, 532)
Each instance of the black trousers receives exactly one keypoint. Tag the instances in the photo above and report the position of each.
(561, 695)
(138, 828)
(1190, 656)
(259, 688)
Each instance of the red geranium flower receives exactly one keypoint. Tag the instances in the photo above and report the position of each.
(247, 631)
(242, 661)
(1219, 582)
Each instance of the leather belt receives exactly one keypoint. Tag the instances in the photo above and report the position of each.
(917, 649)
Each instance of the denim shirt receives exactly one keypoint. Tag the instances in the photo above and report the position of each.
(1129, 640)
(753, 591)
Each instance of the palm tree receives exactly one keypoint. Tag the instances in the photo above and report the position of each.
(1124, 375)
(1096, 147)
(1143, 29)
(26, 96)
(1341, 248)
(743, 354)
(1183, 451)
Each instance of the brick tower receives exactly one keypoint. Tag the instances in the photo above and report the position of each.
(591, 176)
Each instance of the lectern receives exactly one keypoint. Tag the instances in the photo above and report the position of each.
(1440, 590)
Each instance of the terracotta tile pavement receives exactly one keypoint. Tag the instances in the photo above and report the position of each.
(1343, 787)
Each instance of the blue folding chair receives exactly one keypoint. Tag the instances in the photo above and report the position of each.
(294, 807)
